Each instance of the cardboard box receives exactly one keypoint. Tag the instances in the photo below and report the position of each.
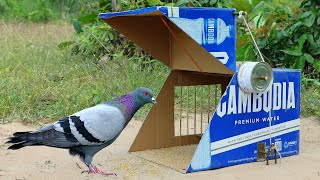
(190, 64)
(198, 45)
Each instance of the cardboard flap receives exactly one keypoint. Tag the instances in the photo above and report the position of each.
(156, 34)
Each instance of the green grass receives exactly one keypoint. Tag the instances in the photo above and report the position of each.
(40, 82)
(310, 101)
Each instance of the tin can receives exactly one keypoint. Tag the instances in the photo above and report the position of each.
(255, 77)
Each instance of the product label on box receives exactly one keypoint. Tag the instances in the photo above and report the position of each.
(241, 121)
(212, 28)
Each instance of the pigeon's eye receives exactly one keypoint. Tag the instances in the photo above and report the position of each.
(146, 93)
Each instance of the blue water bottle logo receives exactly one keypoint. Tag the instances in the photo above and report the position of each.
(217, 31)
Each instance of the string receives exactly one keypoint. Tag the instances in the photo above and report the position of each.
(254, 41)
(241, 15)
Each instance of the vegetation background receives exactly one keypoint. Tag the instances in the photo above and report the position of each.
(57, 57)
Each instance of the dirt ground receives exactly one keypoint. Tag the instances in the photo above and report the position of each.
(50, 163)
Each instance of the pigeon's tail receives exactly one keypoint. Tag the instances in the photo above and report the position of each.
(46, 136)
(21, 139)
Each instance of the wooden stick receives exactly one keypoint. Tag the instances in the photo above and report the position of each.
(195, 110)
(215, 96)
(181, 99)
(201, 103)
(208, 103)
(187, 110)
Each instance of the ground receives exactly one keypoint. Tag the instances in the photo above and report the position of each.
(50, 163)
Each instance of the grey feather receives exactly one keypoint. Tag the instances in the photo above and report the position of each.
(88, 131)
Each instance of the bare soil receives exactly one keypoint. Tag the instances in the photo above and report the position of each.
(51, 163)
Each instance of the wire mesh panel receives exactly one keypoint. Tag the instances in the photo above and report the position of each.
(194, 107)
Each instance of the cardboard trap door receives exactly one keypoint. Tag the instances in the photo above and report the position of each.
(192, 128)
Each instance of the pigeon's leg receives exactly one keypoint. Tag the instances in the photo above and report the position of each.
(94, 169)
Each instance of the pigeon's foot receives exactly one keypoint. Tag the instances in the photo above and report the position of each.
(95, 170)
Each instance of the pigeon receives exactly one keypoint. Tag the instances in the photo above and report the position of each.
(88, 131)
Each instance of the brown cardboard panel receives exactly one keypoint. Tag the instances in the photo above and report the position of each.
(147, 31)
(157, 130)
(158, 127)
(190, 78)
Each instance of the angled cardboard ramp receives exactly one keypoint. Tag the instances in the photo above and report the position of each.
(171, 46)
(240, 122)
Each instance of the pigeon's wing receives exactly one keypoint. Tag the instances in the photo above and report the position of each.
(98, 125)
(46, 136)
(93, 126)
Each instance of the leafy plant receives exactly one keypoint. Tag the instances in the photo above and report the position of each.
(41, 12)
(249, 6)
(9, 9)
(201, 3)
(36, 11)
(288, 37)
(99, 42)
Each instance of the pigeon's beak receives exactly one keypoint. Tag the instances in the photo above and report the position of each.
(153, 100)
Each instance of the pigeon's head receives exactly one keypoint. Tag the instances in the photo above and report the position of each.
(145, 95)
